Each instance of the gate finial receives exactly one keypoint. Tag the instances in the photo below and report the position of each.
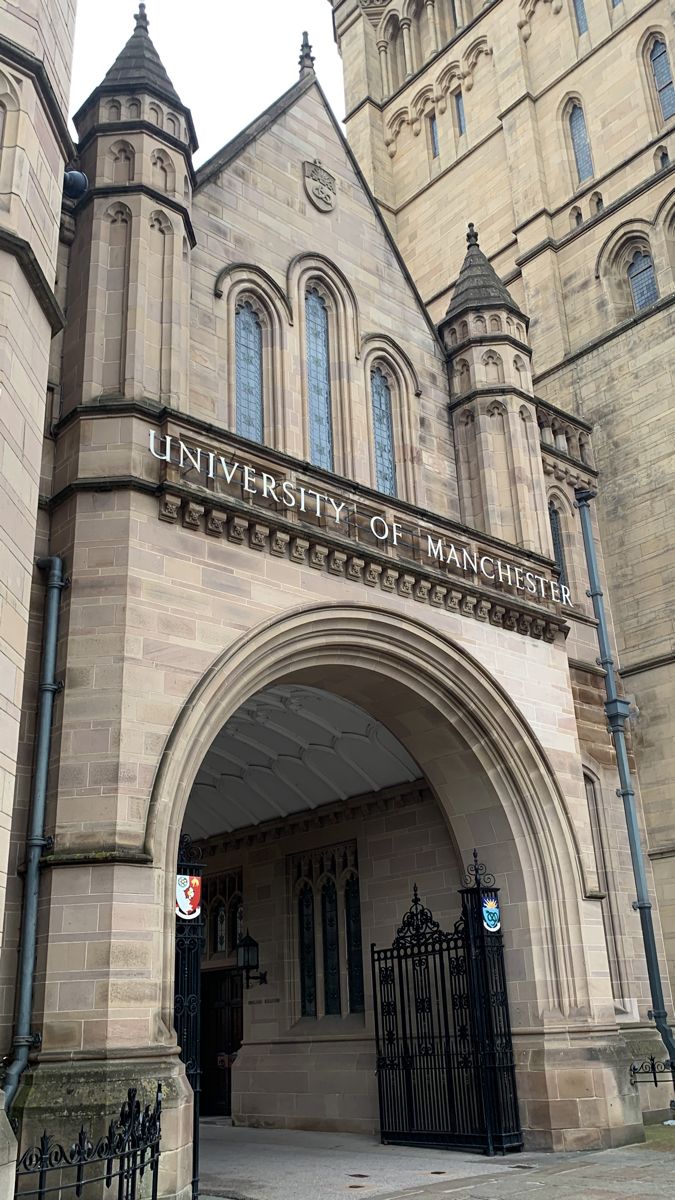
(477, 875)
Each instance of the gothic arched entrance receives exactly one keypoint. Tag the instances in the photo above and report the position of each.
(476, 770)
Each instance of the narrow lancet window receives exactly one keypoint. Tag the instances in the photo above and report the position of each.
(557, 538)
(306, 948)
(249, 373)
(580, 143)
(354, 950)
(580, 14)
(320, 417)
(383, 432)
(663, 79)
(331, 950)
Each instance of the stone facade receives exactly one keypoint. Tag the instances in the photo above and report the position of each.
(563, 245)
(423, 568)
(35, 147)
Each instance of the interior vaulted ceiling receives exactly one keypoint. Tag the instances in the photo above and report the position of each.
(288, 749)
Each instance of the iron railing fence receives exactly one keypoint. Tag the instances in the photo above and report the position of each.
(114, 1165)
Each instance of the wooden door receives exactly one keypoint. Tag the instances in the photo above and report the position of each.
(222, 1032)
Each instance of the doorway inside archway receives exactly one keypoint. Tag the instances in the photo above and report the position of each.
(314, 823)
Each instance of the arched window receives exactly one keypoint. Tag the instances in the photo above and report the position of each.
(460, 116)
(580, 16)
(642, 280)
(663, 79)
(576, 217)
(320, 415)
(580, 143)
(556, 535)
(249, 373)
(597, 203)
(114, 110)
(434, 145)
(134, 110)
(172, 125)
(383, 432)
(661, 159)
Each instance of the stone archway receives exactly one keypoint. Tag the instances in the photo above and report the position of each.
(491, 778)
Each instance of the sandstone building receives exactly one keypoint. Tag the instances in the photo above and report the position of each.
(309, 459)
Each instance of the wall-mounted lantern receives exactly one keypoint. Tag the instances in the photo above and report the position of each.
(248, 960)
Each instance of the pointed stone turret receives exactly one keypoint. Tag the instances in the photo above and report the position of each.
(138, 65)
(306, 60)
(493, 411)
(478, 284)
(137, 71)
(133, 231)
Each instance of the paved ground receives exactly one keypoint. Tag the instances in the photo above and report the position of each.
(258, 1164)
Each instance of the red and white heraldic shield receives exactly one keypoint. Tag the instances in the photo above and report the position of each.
(188, 896)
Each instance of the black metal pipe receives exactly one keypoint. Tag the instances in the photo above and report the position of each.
(617, 710)
(35, 842)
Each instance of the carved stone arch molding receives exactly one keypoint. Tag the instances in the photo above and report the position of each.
(450, 76)
(382, 350)
(471, 56)
(304, 271)
(394, 126)
(424, 100)
(527, 8)
(245, 281)
(396, 666)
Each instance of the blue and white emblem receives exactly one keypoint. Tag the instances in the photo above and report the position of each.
(491, 914)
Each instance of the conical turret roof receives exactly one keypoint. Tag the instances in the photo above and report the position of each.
(478, 284)
(138, 66)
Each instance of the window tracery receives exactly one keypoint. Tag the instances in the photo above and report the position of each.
(557, 539)
(642, 280)
(327, 912)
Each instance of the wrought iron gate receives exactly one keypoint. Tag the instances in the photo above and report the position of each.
(187, 998)
(445, 1066)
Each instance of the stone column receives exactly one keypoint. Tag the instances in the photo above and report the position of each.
(407, 47)
(383, 50)
(433, 27)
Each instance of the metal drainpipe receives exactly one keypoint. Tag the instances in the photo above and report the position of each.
(36, 841)
(617, 710)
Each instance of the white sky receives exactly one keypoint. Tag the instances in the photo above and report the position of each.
(227, 59)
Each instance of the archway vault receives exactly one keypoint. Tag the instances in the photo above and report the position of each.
(453, 717)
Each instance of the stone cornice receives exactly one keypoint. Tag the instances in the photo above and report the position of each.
(647, 664)
(24, 254)
(604, 338)
(364, 805)
(28, 64)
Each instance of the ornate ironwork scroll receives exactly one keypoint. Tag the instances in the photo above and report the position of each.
(121, 1156)
(445, 1064)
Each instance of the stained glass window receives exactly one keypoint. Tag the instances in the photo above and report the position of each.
(580, 14)
(580, 143)
(383, 433)
(556, 535)
(642, 280)
(459, 113)
(249, 373)
(354, 949)
(663, 78)
(318, 381)
(331, 950)
(307, 955)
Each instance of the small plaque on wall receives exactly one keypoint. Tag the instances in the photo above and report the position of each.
(319, 185)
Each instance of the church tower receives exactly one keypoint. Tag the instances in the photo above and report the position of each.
(129, 264)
